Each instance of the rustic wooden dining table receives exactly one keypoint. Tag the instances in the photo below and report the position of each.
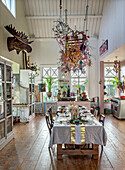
(93, 135)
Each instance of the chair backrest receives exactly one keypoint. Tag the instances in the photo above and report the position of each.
(50, 114)
(95, 100)
(93, 110)
(101, 119)
(49, 125)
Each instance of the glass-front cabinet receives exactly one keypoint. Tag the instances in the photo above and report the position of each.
(26, 100)
(6, 116)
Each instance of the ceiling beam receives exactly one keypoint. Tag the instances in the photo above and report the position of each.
(42, 38)
(56, 17)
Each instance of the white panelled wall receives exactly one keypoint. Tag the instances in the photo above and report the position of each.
(46, 52)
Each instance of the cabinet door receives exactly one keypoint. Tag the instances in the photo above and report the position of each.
(9, 125)
(30, 110)
(2, 91)
(9, 107)
(33, 108)
(8, 90)
(2, 110)
(1, 72)
(2, 129)
(8, 73)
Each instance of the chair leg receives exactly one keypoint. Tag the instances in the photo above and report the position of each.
(102, 147)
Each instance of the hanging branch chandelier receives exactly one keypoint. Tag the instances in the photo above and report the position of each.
(73, 44)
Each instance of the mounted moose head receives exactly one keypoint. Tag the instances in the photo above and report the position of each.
(19, 42)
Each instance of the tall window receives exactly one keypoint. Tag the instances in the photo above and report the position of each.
(109, 73)
(10, 4)
(53, 72)
(78, 78)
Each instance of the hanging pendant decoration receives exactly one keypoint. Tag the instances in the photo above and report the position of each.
(116, 65)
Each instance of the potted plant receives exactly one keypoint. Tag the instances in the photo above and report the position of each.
(117, 83)
(64, 91)
(49, 81)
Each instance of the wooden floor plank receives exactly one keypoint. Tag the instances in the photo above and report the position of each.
(29, 150)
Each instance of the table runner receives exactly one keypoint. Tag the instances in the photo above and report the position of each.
(78, 134)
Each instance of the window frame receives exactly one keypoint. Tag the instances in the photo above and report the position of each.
(56, 77)
(11, 8)
(78, 78)
(108, 79)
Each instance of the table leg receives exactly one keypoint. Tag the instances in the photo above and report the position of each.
(96, 148)
(59, 148)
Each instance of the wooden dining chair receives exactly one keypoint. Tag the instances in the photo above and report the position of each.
(94, 111)
(50, 114)
(49, 124)
(49, 121)
(102, 119)
(52, 118)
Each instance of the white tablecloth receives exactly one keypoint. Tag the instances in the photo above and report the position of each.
(94, 133)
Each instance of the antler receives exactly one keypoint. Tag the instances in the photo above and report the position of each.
(18, 35)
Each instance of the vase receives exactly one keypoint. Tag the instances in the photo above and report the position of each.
(49, 94)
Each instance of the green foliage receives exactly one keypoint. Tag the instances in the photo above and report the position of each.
(35, 68)
(85, 82)
(116, 82)
(65, 88)
(77, 86)
(82, 86)
(49, 81)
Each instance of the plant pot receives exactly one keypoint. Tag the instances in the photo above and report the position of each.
(64, 93)
(49, 94)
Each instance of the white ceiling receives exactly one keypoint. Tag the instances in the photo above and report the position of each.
(120, 53)
(41, 15)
